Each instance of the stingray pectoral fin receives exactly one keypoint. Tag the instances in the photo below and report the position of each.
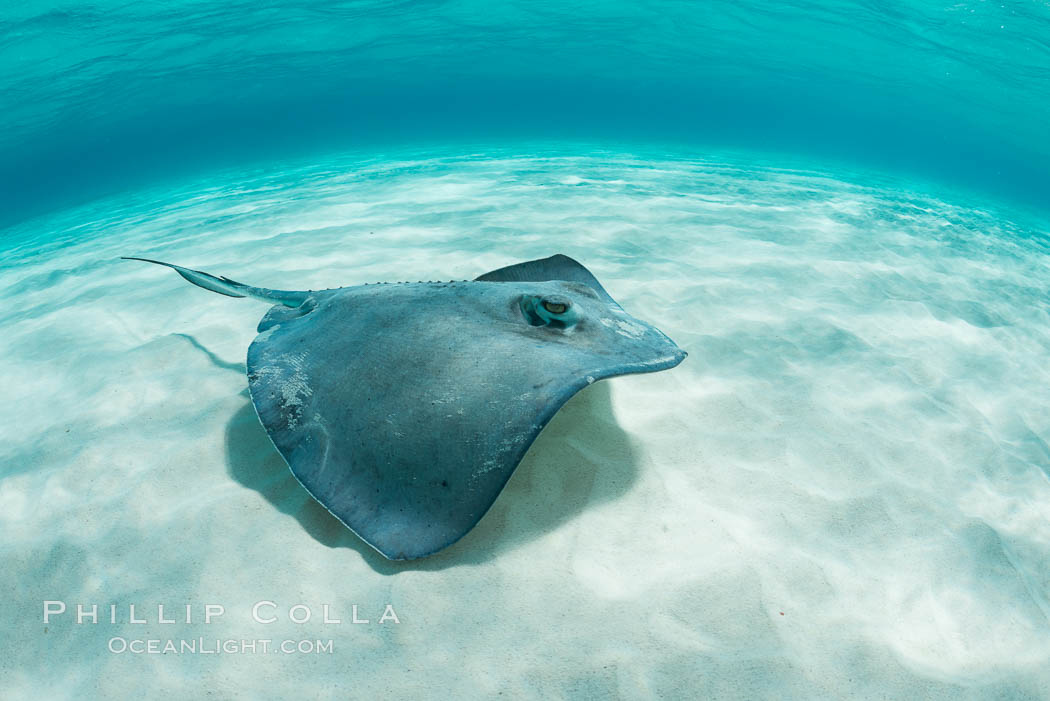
(406, 457)
(232, 288)
(556, 267)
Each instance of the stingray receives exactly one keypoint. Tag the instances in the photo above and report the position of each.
(404, 408)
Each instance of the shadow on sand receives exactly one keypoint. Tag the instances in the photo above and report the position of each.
(582, 457)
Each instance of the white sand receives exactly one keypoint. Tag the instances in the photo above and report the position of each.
(842, 491)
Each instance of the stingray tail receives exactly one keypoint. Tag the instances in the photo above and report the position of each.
(232, 288)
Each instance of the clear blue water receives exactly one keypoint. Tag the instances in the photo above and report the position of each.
(100, 96)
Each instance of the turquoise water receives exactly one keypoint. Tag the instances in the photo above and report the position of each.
(104, 95)
(838, 210)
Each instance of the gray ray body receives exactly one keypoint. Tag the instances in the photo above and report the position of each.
(404, 408)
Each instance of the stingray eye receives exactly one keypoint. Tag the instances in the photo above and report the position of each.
(553, 312)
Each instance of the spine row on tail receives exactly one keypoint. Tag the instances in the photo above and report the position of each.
(232, 288)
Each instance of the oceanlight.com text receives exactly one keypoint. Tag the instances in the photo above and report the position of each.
(218, 646)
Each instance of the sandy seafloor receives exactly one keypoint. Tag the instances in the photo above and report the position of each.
(842, 491)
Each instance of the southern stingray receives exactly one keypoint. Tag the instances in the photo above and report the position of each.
(403, 408)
